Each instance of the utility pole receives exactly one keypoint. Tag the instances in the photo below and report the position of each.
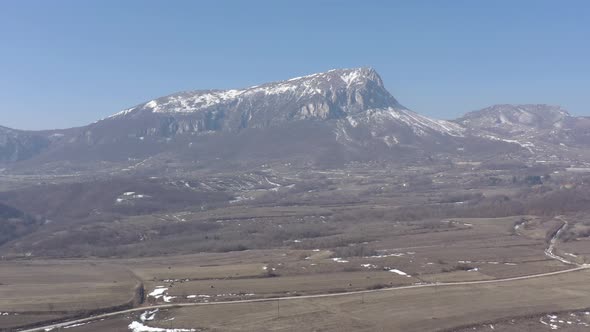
(278, 308)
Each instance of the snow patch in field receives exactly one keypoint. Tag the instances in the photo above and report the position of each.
(198, 296)
(387, 255)
(158, 292)
(148, 315)
(339, 260)
(75, 325)
(238, 199)
(369, 266)
(168, 299)
(401, 273)
(139, 327)
(129, 196)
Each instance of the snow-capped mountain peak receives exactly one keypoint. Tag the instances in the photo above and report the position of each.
(351, 96)
(343, 113)
(330, 84)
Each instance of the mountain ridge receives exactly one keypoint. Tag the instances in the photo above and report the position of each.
(354, 115)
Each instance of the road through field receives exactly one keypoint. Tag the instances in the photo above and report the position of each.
(293, 298)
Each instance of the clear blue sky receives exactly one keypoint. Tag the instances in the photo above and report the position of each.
(69, 63)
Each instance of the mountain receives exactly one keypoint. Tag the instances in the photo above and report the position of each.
(357, 95)
(529, 124)
(322, 96)
(326, 118)
(516, 119)
(16, 145)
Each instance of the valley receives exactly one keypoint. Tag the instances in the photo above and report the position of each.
(315, 203)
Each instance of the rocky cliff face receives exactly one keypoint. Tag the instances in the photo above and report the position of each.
(323, 96)
(352, 102)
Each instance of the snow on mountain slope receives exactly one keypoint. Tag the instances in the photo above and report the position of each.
(354, 94)
(345, 112)
(516, 119)
(332, 85)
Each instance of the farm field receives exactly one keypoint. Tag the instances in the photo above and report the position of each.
(343, 233)
(483, 249)
(43, 291)
(419, 309)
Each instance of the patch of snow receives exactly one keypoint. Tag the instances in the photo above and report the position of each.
(168, 299)
(526, 145)
(139, 327)
(151, 104)
(386, 255)
(272, 183)
(158, 292)
(198, 296)
(129, 196)
(350, 77)
(339, 260)
(76, 325)
(240, 199)
(148, 315)
(401, 273)
(352, 121)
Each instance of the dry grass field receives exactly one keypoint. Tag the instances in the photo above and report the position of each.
(331, 232)
(421, 309)
(447, 250)
(45, 291)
